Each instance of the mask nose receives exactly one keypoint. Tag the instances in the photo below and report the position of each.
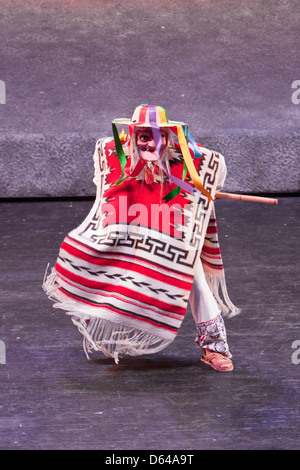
(151, 144)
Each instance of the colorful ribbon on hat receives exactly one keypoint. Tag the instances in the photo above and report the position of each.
(120, 152)
(195, 149)
(193, 146)
(157, 138)
(189, 163)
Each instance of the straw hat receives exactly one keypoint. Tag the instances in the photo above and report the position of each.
(148, 116)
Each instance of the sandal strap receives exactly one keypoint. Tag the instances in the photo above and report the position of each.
(217, 360)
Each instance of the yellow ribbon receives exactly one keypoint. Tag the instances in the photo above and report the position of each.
(190, 165)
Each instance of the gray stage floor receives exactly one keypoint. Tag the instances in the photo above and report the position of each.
(52, 397)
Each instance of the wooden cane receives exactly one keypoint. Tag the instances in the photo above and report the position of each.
(243, 197)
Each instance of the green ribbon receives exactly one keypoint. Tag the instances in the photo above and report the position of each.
(177, 190)
(120, 152)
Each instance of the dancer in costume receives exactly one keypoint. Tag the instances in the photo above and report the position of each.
(148, 246)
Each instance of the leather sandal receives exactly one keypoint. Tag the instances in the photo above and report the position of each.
(217, 361)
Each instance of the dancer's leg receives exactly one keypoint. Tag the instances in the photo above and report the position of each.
(209, 322)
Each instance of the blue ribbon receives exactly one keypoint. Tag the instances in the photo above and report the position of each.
(193, 146)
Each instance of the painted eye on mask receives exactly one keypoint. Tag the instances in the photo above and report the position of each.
(144, 137)
(148, 136)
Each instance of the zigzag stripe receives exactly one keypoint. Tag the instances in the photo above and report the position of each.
(120, 289)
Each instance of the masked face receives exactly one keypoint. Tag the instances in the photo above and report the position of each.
(146, 143)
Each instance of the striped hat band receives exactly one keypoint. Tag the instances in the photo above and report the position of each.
(143, 116)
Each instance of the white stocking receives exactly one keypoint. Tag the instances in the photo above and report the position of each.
(207, 316)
